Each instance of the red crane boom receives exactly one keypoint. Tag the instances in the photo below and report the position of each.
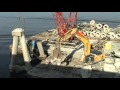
(72, 19)
(62, 25)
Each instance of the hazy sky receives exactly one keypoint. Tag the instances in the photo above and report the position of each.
(83, 15)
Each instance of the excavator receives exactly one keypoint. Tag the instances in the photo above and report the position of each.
(74, 32)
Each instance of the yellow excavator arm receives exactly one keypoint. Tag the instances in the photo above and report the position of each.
(80, 36)
(87, 46)
(85, 41)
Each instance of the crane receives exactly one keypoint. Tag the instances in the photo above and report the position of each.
(72, 19)
(62, 25)
(66, 30)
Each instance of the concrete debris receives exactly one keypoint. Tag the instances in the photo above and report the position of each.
(97, 67)
(109, 60)
(109, 68)
(117, 60)
(79, 66)
(117, 65)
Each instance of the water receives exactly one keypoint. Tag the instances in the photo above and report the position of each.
(31, 27)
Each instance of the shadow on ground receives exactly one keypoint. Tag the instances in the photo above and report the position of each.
(54, 71)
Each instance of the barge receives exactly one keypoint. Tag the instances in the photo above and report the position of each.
(41, 50)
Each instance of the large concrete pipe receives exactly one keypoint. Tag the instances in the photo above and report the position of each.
(97, 34)
(88, 33)
(117, 36)
(105, 26)
(106, 30)
(92, 34)
(99, 26)
(92, 22)
(103, 35)
(112, 36)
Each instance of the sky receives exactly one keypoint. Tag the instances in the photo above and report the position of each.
(83, 15)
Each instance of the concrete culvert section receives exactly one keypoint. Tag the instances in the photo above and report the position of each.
(99, 26)
(117, 36)
(97, 34)
(112, 36)
(92, 23)
(105, 26)
(103, 35)
(106, 30)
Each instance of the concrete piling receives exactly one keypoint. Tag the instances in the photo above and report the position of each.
(14, 52)
(26, 54)
(41, 50)
(16, 33)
